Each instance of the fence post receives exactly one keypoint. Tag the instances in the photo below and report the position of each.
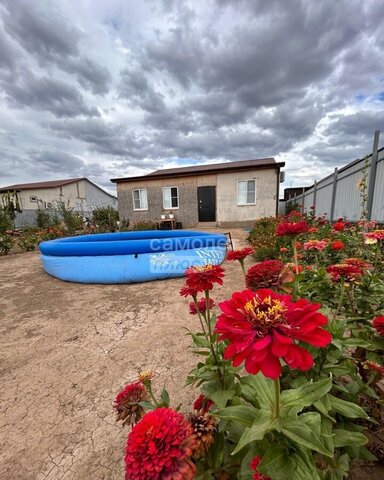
(314, 194)
(303, 196)
(372, 174)
(333, 199)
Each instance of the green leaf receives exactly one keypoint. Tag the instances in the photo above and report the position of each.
(348, 409)
(302, 434)
(243, 414)
(199, 340)
(323, 406)
(305, 395)
(258, 387)
(221, 397)
(263, 423)
(165, 400)
(281, 464)
(346, 438)
(147, 406)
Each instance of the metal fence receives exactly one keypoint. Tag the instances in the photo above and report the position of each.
(338, 195)
(28, 218)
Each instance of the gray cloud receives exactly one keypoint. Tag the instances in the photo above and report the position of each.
(136, 88)
(52, 95)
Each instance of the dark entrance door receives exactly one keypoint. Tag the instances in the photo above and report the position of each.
(206, 197)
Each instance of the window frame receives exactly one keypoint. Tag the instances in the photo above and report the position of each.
(246, 180)
(133, 199)
(178, 198)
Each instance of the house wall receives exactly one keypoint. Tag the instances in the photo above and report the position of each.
(187, 212)
(82, 196)
(231, 214)
(228, 213)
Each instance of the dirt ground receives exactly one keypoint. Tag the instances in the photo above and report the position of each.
(66, 349)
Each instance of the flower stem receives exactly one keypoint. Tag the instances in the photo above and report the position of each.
(277, 397)
(150, 391)
(342, 290)
(241, 261)
(211, 346)
(295, 260)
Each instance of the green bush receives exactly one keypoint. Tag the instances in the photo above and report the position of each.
(6, 223)
(28, 241)
(43, 219)
(5, 244)
(145, 225)
(105, 219)
(263, 239)
(72, 220)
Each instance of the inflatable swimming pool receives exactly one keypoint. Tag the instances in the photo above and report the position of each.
(128, 257)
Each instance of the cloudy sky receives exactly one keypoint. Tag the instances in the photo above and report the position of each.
(113, 88)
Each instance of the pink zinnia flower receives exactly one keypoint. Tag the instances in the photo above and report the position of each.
(264, 326)
(315, 245)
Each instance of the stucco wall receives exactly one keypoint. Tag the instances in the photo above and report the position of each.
(228, 212)
(81, 195)
(187, 212)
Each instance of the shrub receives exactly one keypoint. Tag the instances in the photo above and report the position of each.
(28, 241)
(5, 243)
(262, 237)
(106, 219)
(72, 220)
(6, 223)
(145, 225)
(43, 219)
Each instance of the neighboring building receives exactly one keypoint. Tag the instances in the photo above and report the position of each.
(78, 193)
(224, 194)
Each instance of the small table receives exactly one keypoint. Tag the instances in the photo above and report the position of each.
(171, 222)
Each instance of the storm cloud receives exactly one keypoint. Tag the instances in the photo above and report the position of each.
(109, 89)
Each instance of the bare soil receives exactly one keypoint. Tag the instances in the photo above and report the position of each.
(66, 349)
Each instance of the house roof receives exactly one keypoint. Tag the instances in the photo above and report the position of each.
(50, 184)
(210, 168)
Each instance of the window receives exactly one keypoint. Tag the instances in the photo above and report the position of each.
(246, 192)
(33, 198)
(170, 198)
(140, 201)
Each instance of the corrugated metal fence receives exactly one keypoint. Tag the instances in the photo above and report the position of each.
(28, 218)
(338, 195)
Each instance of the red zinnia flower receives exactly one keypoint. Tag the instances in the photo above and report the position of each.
(186, 291)
(350, 273)
(378, 325)
(294, 213)
(263, 326)
(358, 263)
(257, 475)
(315, 245)
(203, 278)
(202, 404)
(159, 447)
(337, 245)
(374, 367)
(239, 254)
(292, 228)
(339, 226)
(264, 274)
(284, 250)
(127, 402)
(201, 306)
